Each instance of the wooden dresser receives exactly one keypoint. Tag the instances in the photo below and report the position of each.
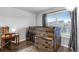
(47, 39)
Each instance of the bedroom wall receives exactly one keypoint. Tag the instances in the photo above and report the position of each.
(16, 19)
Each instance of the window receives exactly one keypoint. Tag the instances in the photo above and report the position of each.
(60, 19)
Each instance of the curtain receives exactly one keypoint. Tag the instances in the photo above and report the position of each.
(73, 35)
(44, 19)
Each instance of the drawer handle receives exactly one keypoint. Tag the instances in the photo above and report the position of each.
(46, 47)
(43, 44)
(36, 47)
(46, 42)
(37, 43)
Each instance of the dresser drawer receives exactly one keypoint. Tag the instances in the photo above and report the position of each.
(43, 44)
(39, 40)
(44, 48)
(46, 45)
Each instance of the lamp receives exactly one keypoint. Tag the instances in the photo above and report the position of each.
(13, 29)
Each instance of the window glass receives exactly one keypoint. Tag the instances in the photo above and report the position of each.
(60, 19)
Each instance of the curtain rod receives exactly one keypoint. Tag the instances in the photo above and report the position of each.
(55, 11)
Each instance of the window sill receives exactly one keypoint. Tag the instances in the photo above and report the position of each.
(65, 35)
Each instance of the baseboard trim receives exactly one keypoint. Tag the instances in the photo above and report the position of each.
(22, 40)
(64, 45)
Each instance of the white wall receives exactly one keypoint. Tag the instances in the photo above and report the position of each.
(78, 27)
(64, 40)
(18, 19)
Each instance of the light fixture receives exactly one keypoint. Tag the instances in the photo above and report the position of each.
(70, 8)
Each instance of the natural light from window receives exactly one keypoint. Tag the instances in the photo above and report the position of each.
(60, 19)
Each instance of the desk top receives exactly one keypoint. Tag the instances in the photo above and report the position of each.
(9, 35)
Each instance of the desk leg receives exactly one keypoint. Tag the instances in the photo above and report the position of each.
(18, 39)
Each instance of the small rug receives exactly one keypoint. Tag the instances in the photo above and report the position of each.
(28, 49)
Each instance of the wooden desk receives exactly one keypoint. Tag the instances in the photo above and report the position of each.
(10, 37)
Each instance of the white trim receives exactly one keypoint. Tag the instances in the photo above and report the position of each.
(22, 40)
(64, 45)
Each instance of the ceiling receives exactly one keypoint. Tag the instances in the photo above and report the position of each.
(34, 9)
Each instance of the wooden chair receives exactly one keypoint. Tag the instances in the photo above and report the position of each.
(10, 40)
(3, 30)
